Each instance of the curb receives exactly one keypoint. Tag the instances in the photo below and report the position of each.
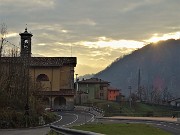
(140, 119)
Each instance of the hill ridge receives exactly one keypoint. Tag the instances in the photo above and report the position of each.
(159, 64)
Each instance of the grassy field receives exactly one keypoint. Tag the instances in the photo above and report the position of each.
(122, 129)
(137, 109)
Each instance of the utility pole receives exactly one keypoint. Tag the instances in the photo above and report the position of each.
(51, 93)
(76, 83)
(130, 98)
(26, 78)
(77, 90)
(139, 82)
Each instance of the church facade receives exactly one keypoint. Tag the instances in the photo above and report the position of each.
(54, 74)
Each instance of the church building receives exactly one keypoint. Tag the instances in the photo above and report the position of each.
(54, 74)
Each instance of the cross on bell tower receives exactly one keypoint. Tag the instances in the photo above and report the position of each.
(25, 43)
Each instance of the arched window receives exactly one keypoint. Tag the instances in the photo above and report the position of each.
(42, 77)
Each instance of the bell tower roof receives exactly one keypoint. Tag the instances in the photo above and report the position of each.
(26, 33)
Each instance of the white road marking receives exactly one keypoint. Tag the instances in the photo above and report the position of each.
(92, 118)
(72, 121)
(58, 120)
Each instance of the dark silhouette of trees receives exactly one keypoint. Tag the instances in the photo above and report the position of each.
(13, 89)
(3, 34)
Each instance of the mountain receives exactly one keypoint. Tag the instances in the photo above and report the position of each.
(159, 65)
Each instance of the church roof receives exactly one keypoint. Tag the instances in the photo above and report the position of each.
(52, 61)
(43, 61)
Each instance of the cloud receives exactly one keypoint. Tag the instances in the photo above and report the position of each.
(83, 69)
(114, 44)
(96, 31)
(12, 35)
(157, 37)
(28, 4)
(86, 21)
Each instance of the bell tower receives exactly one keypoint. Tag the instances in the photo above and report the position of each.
(25, 44)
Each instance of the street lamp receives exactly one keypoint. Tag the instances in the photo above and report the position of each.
(51, 94)
(130, 96)
(26, 88)
(76, 83)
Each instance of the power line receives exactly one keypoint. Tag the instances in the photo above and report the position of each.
(11, 44)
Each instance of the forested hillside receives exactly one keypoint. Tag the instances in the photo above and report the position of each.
(159, 65)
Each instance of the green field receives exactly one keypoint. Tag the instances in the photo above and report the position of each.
(122, 129)
(137, 109)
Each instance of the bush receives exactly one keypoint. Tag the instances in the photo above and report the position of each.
(11, 119)
(17, 119)
(150, 114)
(49, 117)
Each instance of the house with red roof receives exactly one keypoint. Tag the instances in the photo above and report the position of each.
(113, 93)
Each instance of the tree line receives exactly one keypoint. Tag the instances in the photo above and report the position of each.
(16, 90)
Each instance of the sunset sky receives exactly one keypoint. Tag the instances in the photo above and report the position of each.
(97, 32)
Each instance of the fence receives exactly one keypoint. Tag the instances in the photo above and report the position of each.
(67, 131)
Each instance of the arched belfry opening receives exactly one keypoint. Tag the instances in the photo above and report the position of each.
(42, 77)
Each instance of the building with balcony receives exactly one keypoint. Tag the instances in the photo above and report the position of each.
(91, 89)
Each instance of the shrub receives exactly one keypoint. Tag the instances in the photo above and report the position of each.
(150, 114)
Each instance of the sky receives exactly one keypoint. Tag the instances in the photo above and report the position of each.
(97, 32)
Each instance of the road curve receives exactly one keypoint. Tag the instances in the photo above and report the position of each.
(66, 119)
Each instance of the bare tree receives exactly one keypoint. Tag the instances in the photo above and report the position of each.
(3, 35)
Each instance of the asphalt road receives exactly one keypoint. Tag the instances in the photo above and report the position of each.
(80, 117)
(66, 119)
(74, 118)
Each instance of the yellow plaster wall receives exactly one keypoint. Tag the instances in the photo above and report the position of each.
(60, 77)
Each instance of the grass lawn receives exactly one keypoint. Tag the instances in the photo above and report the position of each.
(122, 129)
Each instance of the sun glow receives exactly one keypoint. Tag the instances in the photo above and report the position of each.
(156, 37)
(12, 35)
(115, 44)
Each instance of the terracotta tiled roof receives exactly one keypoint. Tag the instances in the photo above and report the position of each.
(93, 80)
(66, 92)
(52, 61)
(43, 61)
(112, 88)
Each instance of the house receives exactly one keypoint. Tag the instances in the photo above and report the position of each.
(113, 93)
(54, 74)
(90, 89)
